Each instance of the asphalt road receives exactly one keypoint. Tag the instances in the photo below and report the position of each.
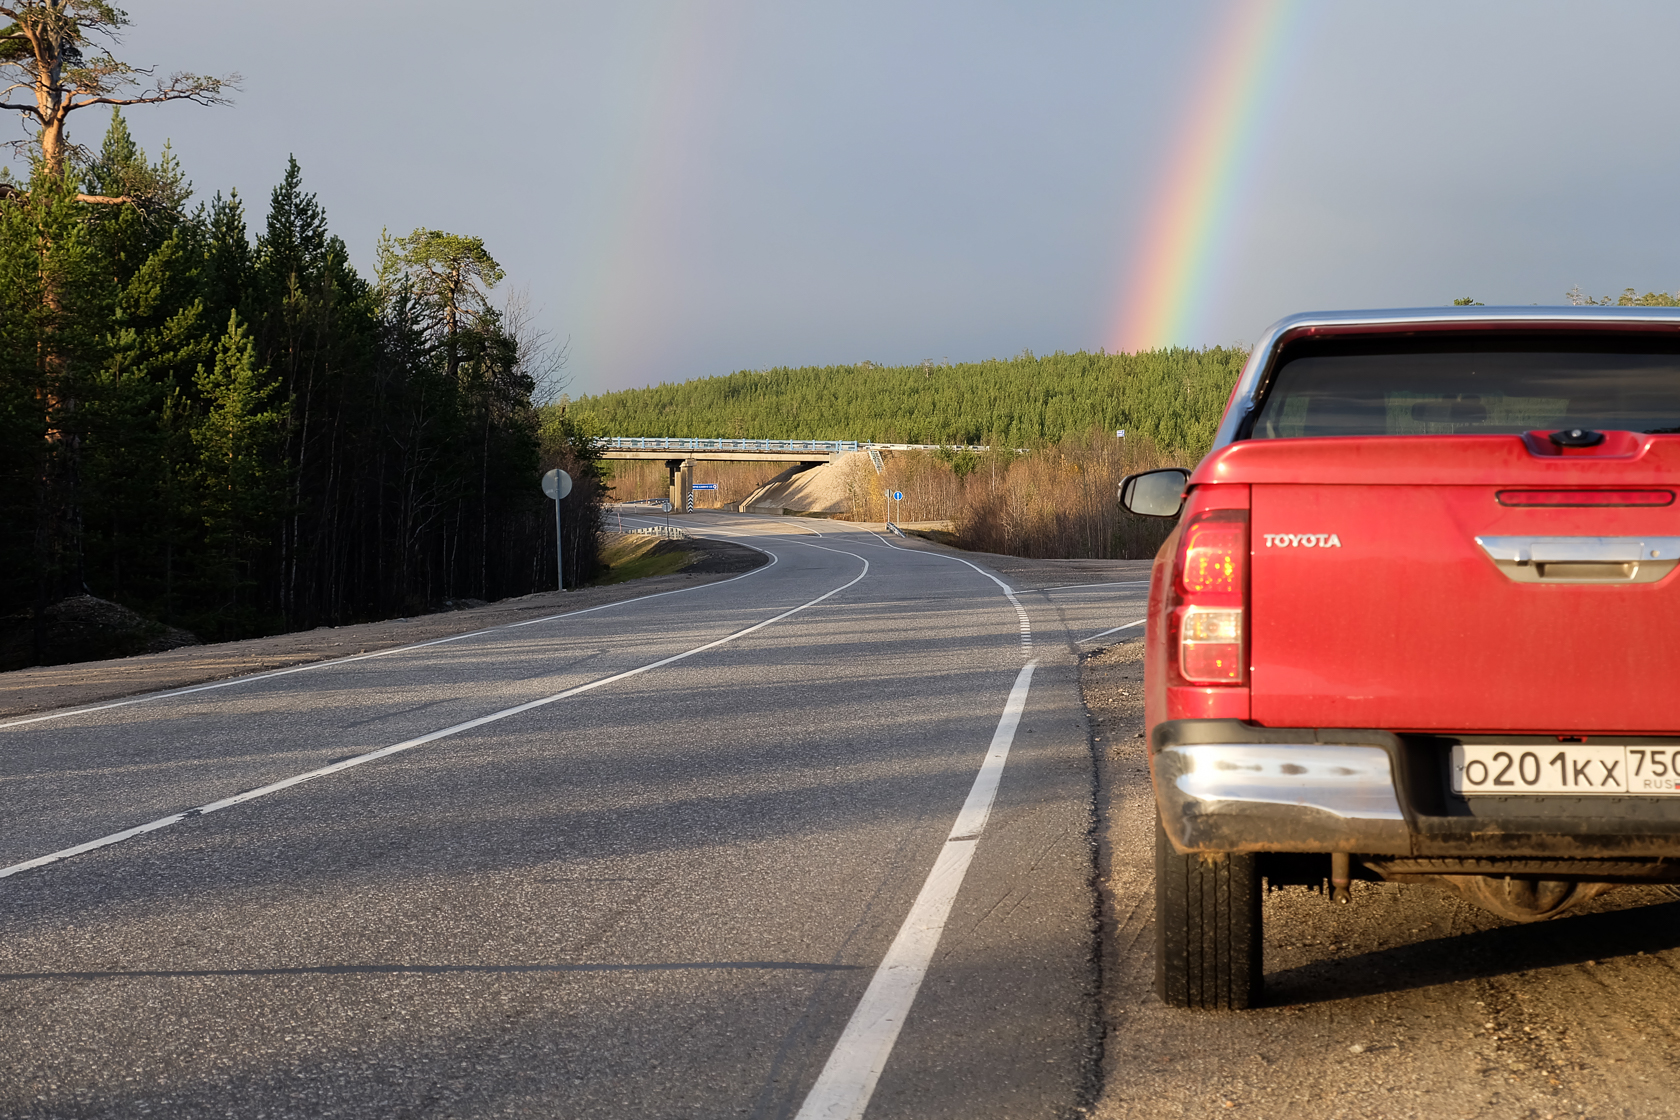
(645, 861)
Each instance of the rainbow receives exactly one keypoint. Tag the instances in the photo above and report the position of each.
(672, 64)
(1165, 299)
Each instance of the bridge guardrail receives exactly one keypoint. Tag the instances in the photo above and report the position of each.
(679, 443)
(770, 446)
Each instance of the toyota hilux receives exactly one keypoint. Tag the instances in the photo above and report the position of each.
(1418, 622)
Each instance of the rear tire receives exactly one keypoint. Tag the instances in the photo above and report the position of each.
(1207, 929)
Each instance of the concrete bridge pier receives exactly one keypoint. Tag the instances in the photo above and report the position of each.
(681, 477)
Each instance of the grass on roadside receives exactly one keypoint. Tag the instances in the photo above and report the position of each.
(631, 556)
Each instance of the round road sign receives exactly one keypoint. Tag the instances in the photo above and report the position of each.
(898, 495)
(557, 484)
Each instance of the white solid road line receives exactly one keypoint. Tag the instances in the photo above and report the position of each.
(1110, 630)
(408, 744)
(255, 677)
(1024, 622)
(1008, 592)
(848, 1080)
(1079, 586)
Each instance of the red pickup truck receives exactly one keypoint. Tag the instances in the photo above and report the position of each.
(1418, 622)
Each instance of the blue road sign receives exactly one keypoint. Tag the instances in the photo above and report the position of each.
(704, 486)
(898, 495)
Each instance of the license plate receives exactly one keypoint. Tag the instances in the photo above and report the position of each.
(1566, 768)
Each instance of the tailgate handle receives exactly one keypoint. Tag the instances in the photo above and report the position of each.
(1583, 559)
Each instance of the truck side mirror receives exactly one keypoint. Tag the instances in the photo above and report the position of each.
(1154, 493)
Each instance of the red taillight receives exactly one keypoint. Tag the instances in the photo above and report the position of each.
(1212, 579)
(1214, 554)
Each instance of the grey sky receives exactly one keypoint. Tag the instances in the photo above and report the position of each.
(690, 189)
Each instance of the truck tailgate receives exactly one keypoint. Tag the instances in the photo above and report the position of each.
(1373, 605)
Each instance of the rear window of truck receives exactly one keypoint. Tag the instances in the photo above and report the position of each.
(1494, 385)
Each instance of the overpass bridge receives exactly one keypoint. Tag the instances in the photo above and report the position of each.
(729, 450)
(680, 453)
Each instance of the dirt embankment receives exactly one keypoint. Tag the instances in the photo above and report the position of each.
(824, 489)
(83, 628)
(26, 691)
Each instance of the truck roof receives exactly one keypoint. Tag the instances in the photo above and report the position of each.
(1409, 319)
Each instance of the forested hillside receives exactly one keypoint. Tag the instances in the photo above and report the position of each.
(1173, 397)
(241, 435)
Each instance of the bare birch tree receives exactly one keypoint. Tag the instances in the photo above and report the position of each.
(541, 356)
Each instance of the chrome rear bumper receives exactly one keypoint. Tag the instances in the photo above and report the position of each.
(1227, 786)
(1224, 785)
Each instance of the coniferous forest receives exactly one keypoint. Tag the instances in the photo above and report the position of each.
(210, 417)
(1173, 398)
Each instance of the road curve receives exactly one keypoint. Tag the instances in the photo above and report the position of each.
(647, 860)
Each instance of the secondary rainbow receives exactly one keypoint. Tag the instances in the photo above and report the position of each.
(1174, 274)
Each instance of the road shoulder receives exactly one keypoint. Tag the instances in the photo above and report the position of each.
(32, 691)
(1406, 1003)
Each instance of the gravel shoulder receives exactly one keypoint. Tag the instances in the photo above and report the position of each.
(28, 691)
(1405, 1003)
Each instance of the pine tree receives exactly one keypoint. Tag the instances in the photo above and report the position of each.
(292, 249)
(237, 478)
(50, 55)
(228, 261)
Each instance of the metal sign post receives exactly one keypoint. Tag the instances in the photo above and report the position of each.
(557, 484)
